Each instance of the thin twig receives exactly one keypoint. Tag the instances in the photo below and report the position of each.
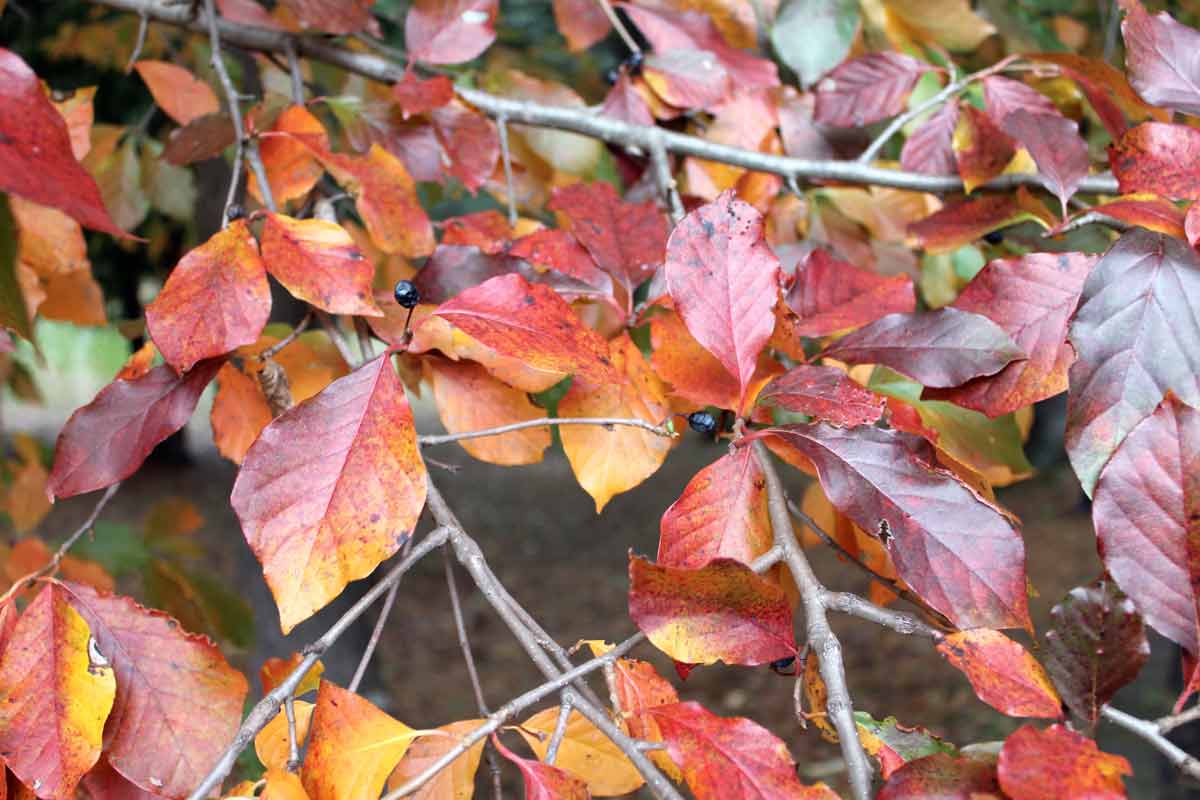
(622, 31)
(294, 73)
(376, 635)
(900, 622)
(1170, 723)
(1094, 217)
(819, 635)
(51, 566)
(289, 710)
(447, 438)
(1149, 731)
(267, 708)
(560, 726)
(274, 349)
(665, 180)
(506, 158)
(143, 28)
(233, 100)
(1111, 26)
(365, 347)
(337, 337)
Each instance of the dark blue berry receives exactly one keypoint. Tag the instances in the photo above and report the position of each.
(995, 237)
(407, 295)
(702, 422)
(612, 76)
(633, 62)
(235, 212)
(783, 664)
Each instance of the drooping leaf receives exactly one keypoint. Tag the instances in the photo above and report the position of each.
(930, 148)
(720, 612)
(331, 488)
(544, 781)
(108, 439)
(1136, 337)
(581, 22)
(1160, 158)
(1003, 673)
(318, 262)
(352, 746)
(585, 753)
(1106, 88)
(449, 31)
(176, 91)
(959, 553)
(56, 691)
(279, 784)
(824, 393)
(215, 300)
(945, 347)
(867, 89)
(1149, 211)
(1054, 143)
(982, 150)
(893, 745)
(812, 37)
(291, 168)
(830, 295)
(1031, 298)
(36, 159)
(455, 782)
(272, 745)
(1146, 502)
(961, 222)
(1057, 762)
(1096, 646)
(239, 413)
(1160, 57)
(729, 758)
(953, 24)
(944, 776)
(723, 279)
(161, 739)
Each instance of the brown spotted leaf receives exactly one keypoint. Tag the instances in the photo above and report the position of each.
(1003, 673)
(318, 262)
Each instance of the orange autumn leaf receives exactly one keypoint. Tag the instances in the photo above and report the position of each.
(239, 413)
(26, 501)
(585, 752)
(78, 113)
(318, 262)
(1058, 762)
(311, 361)
(292, 170)
(1003, 673)
(73, 297)
(139, 363)
(639, 686)
(50, 242)
(981, 148)
(456, 781)
(271, 745)
(275, 671)
(282, 785)
(27, 556)
(693, 373)
(177, 92)
(469, 399)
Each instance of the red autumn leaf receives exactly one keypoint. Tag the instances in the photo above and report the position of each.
(1096, 645)
(331, 488)
(945, 347)
(177, 92)
(893, 745)
(105, 783)
(109, 438)
(1191, 225)
(688, 79)
(628, 240)
(532, 323)
(203, 138)
(417, 95)
(332, 16)
(930, 148)
(729, 758)
(1145, 503)
(946, 777)
(544, 781)
(719, 612)
(36, 160)
(867, 89)
(1002, 96)
(449, 31)
(558, 250)
(487, 230)
(452, 269)
(1160, 57)
(319, 263)
(693, 373)
(1150, 283)
(54, 697)
(1058, 150)
(959, 553)
(825, 393)
(625, 103)
(581, 22)
(723, 279)
(830, 295)
(1031, 298)
(161, 739)
(722, 513)
(1057, 762)
(981, 148)
(963, 221)
(1003, 673)
(292, 170)
(1160, 158)
(470, 141)
(215, 300)
(1149, 211)
(248, 12)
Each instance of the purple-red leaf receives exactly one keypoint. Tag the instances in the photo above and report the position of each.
(1161, 58)
(959, 553)
(825, 393)
(1002, 96)
(724, 280)
(1053, 140)
(930, 148)
(830, 295)
(449, 31)
(946, 347)
(1137, 336)
(867, 89)
(109, 438)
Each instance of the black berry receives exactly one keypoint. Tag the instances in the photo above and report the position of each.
(612, 76)
(407, 295)
(235, 212)
(702, 422)
(634, 63)
(783, 664)
(995, 237)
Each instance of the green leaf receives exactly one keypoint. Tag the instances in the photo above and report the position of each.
(813, 36)
(13, 312)
(116, 547)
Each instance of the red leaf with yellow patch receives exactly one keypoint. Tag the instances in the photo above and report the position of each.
(318, 262)
(1003, 673)
(825, 393)
(1057, 762)
(831, 295)
(981, 148)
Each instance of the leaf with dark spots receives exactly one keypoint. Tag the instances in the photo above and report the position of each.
(1160, 158)
(867, 89)
(946, 347)
(824, 393)
(1137, 337)
(958, 552)
(1058, 763)
(1097, 645)
(1003, 673)
(830, 295)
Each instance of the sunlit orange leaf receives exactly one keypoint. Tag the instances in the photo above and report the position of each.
(455, 782)
(730, 759)
(50, 242)
(1145, 209)
(581, 22)
(215, 300)
(449, 31)
(275, 670)
(139, 363)
(29, 555)
(318, 262)
(950, 23)
(585, 752)
(544, 781)
(605, 461)
(56, 690)
(73, 297)
(291, 168)
(158, 738)
(692, 372)
(177, 91)
(352, 746)
(1003, 673)
(78, 113)
(981, 148)
(963, 221)
(271, 745)
(470, 399)
(239, 413)
(331, 488)
(1058, 762)
(719, 612)
(282, 785)
(488, 230)
(26, 501)
(386, 197)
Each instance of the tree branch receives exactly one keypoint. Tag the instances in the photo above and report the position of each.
(426, 441)
(1167, 724)
(589, 123)
(560, 726)
(1150, 732)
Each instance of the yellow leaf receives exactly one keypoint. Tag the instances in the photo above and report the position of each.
(585, 752)
(455, 782)
(283, 785)
(950, 23)
(272, 745)
(274, 671)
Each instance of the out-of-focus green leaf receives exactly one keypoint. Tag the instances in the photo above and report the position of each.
(813, 36)
(117, 547)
